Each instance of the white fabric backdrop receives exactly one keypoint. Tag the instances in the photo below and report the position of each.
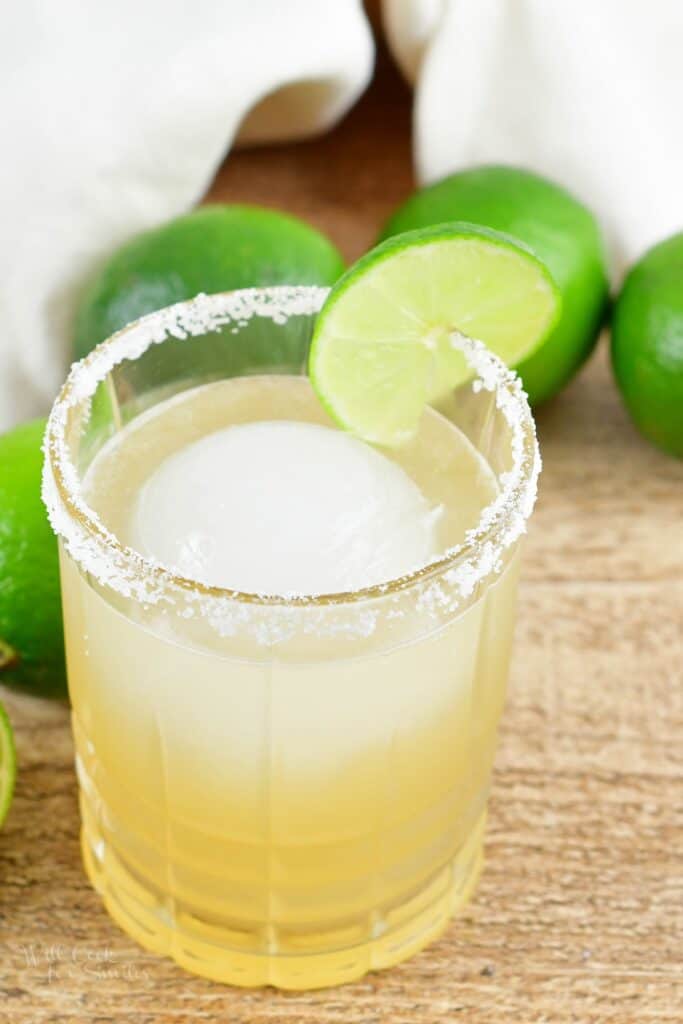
(115, 116)
(588, 92)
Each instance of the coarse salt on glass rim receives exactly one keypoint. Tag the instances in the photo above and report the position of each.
(437, 588)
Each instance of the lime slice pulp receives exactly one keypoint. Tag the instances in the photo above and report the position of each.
(382, 347)
(8, 764)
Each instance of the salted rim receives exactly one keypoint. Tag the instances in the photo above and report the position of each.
(99, 553)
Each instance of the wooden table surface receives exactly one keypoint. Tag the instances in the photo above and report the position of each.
(579, 915)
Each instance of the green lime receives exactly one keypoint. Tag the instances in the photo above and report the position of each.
(381, 348)
(8, 764)
(647, 344)
(558, 229)
(213, 249)
(31, 637)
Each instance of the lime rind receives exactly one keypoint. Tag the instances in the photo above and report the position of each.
(8, 764)
(382, 345)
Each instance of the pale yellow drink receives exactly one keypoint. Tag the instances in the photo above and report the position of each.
(287, 795)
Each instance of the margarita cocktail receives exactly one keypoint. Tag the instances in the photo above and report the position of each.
(287, 648)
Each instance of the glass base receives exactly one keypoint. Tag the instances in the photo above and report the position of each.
(401, 932)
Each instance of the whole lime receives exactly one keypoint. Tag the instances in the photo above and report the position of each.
(212, 249)
(647, 344)
(559, 229)
(31, 637)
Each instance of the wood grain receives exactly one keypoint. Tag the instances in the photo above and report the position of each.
(579, 916)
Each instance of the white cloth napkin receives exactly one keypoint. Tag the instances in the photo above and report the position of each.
(115, 117)
(588, 92)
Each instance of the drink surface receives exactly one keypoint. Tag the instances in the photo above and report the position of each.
(293, 817)
(246, 484)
